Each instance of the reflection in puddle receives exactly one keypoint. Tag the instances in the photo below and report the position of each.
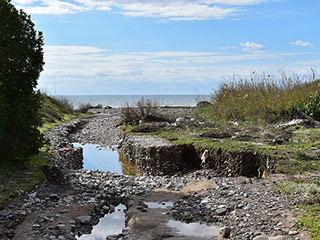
(128, 168)
(194, 229)
(159, 205)
(110, 224)
(106, 159)
(95, 158)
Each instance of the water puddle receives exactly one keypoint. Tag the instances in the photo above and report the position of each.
(110, 224)
(159, 205)
(106, 159)
(194, 229)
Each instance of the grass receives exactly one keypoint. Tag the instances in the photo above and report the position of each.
(305, 190)
(310, 219)
(17, 177)
(265, 97)
(299, 153)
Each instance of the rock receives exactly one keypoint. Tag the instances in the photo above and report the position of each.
(293, 232)
(277, 238)
(263, 237)
(84, 219)
(203, 104)
(64, 211)
(221, 211)
(180, 119)
(225, 232)
(53, 196)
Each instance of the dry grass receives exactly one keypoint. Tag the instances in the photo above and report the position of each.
(64, 104)
(143, 110)
(263, 97)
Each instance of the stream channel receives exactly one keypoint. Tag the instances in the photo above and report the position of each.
(109, 159)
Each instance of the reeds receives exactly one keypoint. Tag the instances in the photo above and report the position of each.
(263, 97)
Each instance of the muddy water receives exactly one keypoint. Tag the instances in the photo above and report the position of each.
(106, 159)
(194, 229)
(159, 204)
(110, 224)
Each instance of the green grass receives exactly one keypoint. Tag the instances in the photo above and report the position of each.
(310, 219)
(306, 190)
(17, 177)
(296, 155)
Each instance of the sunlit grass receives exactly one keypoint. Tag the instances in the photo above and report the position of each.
(265, 97)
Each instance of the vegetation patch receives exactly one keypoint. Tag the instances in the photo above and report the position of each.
(305, 190)
(310, 219)
(266, 98)
(20, 176)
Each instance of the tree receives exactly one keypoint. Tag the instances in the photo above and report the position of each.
(21, 61)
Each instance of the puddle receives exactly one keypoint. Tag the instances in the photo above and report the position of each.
(110, 224)
(194, 229)
(106, 159)
(159, 205)
(128, 168)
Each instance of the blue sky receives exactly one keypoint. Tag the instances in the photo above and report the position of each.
(170, 46)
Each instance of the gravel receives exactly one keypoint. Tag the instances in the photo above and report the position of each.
(245, 208)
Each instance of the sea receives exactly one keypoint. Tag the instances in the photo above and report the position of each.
(121, 100)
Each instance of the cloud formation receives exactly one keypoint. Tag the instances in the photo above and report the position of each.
(166, 9)
(302, 43)
(252, 47)
(85, 67)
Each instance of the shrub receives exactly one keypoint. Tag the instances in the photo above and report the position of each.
(64, 104)
(265, 97)
(84, 107)
(21, 61)
(145, 110)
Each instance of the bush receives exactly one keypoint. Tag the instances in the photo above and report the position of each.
(264, 97)
(84, 107)
(64, 104)
(21, 61)
(144, 110)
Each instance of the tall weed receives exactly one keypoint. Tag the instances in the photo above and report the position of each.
(266, 97)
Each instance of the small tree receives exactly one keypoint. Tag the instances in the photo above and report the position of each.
(21, 61)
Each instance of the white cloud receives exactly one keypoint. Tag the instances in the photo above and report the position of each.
(302, 43)
(80, 68)
(252, 47)
(84, 61)
(166, 9)
(69, 50)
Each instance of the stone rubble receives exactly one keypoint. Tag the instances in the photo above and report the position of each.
(245, 208)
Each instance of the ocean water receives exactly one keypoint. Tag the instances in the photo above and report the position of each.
(120, 100)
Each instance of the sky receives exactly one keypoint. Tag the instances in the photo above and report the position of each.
(122, 47)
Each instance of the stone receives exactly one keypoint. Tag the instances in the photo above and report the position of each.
(225, 231)
(221, 211)
(203, 104)
(293, 232)
(277, 238)
(84, 219)
(260, 238)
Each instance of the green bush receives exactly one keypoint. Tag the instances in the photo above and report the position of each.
(21, 61)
